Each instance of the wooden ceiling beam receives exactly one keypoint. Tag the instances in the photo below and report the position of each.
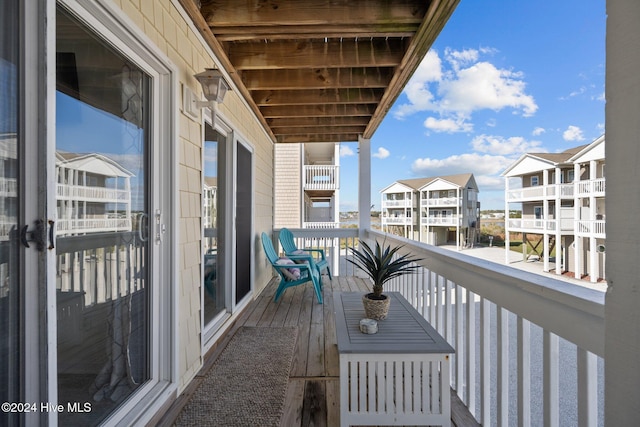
(317, 54)
(318, 78)
(320, 130)
(297, 32)
(283, 139)
(318, 121)
(317, 96)
(222, 13)
(328, 110)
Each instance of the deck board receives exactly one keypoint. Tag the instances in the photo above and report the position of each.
(313, 393)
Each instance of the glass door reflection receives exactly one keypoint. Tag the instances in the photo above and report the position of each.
(213, 224)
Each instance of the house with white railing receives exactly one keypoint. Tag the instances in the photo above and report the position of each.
(562, 199)
(435, 210)
(307, 185)
(132, 337)
(93, 194)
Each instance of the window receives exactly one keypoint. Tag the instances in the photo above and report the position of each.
(537, 212)
(534, 181)
(570, 175)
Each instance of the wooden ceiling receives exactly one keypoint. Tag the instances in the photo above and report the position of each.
(320, 70)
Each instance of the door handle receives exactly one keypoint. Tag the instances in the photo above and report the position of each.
(38, 235)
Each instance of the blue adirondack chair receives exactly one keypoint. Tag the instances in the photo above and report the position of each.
(289, 245)
(308, 272)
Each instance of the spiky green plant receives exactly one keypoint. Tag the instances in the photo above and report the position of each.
(380, 264)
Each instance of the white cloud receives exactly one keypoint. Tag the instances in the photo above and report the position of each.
(498, 145)
(345, 150)
(483, 86)
(448, 125)
(538, 131)
(573, 133)
(478, 164)
(382, 153)
(460, 84)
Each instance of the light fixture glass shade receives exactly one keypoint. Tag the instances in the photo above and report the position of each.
(214, 85)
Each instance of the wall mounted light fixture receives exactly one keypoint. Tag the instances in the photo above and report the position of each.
(214, 87)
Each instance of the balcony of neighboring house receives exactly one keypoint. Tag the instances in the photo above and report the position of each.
(8, 187)
(88, 193)
(533, 350)
(321, 177)
(451, 220)
(591, 228)
(397, 219)
(533, 225)
(540, 192)
(591, 187)
(396, 201)
(441, 201)
(109, 223)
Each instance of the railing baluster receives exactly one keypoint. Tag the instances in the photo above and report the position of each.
(502, 324)
(470, 396)
(460, 353)
(550, 379)
(587, 388)
(524, 372)
(485, 361)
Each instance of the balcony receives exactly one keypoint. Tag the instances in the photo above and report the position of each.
(533, 350)
(92, 194)
(397, 220)
(444, 201)
(390, 204)
(541, 225)
(595, 228)
(594, 187)
(540, 192)
(93, 225)
(450, 221)
(321, 177)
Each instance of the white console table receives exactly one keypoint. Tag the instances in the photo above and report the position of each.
(398, 376)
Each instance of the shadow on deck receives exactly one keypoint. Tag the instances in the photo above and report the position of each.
(313, 394)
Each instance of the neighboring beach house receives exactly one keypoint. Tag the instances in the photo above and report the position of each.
(436, 210)
(562, 199)
(307, 185)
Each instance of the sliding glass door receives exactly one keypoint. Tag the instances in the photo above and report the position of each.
(11, 295)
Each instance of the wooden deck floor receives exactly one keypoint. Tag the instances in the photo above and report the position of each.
(313, 395)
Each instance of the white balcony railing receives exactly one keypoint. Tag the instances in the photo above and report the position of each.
(528, 346)
(405, 203)
(91, 225)
(444, 201)
(321, 224)
(595, 187)
(8, 187)
(442, 220)
(321, 177)
(92, 194)
(397, 220)
(540, 192)
(594, 228)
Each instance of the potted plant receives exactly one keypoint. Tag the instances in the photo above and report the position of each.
(381, 267)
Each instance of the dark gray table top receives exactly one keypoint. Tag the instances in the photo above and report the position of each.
(403, 331)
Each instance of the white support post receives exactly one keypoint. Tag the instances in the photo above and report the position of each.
(364, 185)
(545, 214)
(507, 240)
(559, 249)
(593, 255)
(577, 212)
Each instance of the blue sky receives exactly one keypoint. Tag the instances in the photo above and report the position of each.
(502, 79)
